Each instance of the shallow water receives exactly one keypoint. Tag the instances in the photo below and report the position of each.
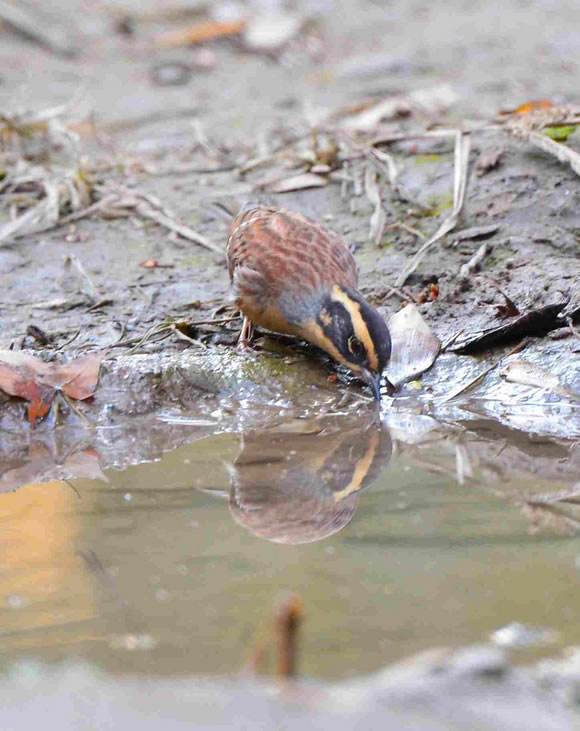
(175, 566)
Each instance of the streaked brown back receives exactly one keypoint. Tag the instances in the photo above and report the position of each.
(289, 250)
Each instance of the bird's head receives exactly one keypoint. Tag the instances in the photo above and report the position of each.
(349, 329)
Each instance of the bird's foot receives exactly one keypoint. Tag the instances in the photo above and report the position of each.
(246, 336)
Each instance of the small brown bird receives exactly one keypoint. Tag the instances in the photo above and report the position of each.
(291, 275)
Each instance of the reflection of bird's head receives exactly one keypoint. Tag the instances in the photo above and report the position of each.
(301, 488)
(353, 333)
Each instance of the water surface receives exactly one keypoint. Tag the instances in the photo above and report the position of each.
(394, 542)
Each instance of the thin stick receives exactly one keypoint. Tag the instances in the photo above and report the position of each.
(400, 293)
(287, 623)
(405, 227)
(68, 342)
(462, 144)
(470, 266)
(153, 330)
(182, 336)
(561, 152)
(221, 321)
(145, 209)
(74, 409)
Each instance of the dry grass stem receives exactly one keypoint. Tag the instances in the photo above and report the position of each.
(560, 151)
(378, 217)
(462, 145)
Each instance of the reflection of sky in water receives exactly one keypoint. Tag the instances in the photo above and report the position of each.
(388, 552)
(44, 583)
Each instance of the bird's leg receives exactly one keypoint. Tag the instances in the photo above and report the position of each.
(246, 335)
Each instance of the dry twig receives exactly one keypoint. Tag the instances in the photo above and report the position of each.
(473, 264)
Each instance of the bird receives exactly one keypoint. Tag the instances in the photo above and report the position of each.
(293, 276)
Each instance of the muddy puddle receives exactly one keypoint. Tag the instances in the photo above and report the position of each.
(396, 539)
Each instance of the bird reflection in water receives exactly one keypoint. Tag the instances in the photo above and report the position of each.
(300, 482)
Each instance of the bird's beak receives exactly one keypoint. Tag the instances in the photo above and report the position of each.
(380, 385)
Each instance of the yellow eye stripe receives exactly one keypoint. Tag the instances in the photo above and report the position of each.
(315, 334)
(358, 325)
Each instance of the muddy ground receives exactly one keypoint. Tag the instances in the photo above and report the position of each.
(187, 125)
(150, 119)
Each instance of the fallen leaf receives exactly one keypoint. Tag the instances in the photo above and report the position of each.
(414, 345)
(531, 374)
(28, 378)
(79, 377)
(200, 33)
(533, 106)
(295, 182)
(429, 295)
(20, 375)
(74, 278)
(430, 101)
(534, 322)
(560, 133)
(509, 309)
(488, 160)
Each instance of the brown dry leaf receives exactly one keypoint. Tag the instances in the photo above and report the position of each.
(20, 375)
(37, 382)
(79, 377)
(509, 309)
(200, 33)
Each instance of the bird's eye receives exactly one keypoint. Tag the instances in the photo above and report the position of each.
(355, 346)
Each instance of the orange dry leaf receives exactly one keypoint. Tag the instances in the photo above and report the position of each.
(37, 382)
(200, 33)
(529, 107)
